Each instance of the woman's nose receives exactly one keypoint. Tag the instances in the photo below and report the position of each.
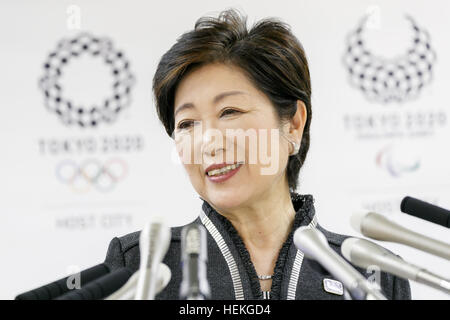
(212, 148)
(215, 152)
(212, 141)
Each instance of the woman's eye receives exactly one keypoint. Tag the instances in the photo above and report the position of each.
(184, 124)
(187, 124)
(229, 111)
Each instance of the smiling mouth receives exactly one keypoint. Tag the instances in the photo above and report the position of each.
(224, 170)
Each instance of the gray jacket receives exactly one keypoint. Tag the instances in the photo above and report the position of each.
(230, 271)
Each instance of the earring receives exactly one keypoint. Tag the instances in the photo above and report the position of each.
(295, 147)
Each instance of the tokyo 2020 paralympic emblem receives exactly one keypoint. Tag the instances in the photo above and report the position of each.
(383, 79)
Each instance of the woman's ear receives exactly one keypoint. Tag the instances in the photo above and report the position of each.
(298, 121)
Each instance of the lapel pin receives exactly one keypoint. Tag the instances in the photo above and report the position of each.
(333, 286)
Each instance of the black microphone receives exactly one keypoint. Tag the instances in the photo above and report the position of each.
(194, 285)
(100, 288)
(426, 211)
(57, 288)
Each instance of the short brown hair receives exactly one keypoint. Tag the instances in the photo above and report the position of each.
(269, 54)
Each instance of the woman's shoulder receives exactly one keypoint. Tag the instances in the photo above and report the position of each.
(123, 251)
(333, 238)
(131, 240)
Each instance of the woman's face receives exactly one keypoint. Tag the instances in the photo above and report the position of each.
(212, 103)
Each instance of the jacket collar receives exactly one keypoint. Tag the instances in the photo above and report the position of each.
(243, 273)
(303, 206)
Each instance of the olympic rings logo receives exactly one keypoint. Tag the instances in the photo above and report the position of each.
(92, 174)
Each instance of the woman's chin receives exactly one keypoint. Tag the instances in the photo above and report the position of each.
(225, 199)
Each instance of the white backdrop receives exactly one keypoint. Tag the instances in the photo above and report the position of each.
(364, 152)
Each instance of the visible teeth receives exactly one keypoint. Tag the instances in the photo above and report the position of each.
(223, 170)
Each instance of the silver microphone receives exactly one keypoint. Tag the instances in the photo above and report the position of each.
(315, 246)
(378, 227)
(154, 242)
(128, 290)
(364, 254)
(194, 256)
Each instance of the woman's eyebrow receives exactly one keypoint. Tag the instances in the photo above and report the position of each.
(189, 105)
(226, 94)
(184, 106)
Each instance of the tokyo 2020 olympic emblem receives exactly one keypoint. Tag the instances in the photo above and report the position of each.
(386, 80)
(67, 108)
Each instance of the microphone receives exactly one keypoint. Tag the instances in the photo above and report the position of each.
(315, 246)
(425, 211)
(62, 286)
(378, 227)
(154, 242)
(364, 253)
(100, 288)
(128, 290)
(194, 256)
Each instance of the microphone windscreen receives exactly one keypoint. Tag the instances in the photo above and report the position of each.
(100, 288)
(60, 287)
(425, 211)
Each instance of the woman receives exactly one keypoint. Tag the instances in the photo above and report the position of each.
(221, 78)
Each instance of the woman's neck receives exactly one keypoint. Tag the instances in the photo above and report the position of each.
(267, 220)
(264, 226)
